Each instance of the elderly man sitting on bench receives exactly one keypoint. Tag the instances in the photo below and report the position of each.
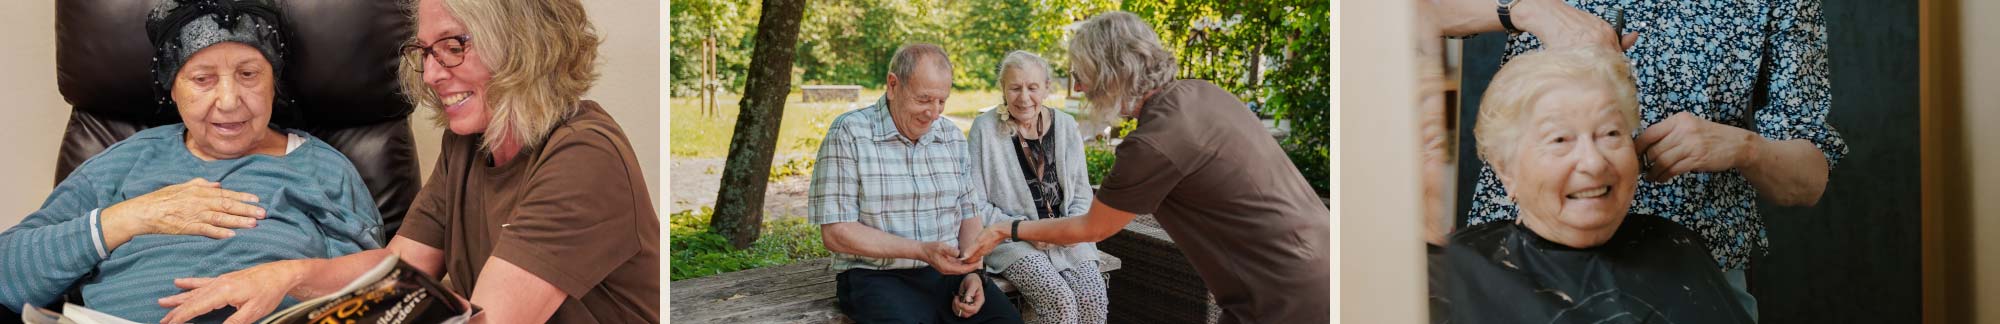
(894, 193)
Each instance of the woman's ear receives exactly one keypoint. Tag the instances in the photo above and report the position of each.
(1506, 179)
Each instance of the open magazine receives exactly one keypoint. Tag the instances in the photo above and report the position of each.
(391, 292)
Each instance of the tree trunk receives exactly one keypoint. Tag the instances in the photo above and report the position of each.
(739, 205)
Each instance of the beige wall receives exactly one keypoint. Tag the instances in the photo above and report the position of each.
(36, 114)
(1377, 235)
(628, 87)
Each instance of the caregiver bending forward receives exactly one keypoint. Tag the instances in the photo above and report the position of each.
(1203, 165)
(537, 206)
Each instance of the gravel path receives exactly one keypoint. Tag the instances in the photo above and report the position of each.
(696, 180)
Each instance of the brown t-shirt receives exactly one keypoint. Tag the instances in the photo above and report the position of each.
(1231, 200)
(574, 212)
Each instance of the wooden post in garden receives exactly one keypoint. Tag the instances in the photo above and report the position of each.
(708, 76)
(739, 205)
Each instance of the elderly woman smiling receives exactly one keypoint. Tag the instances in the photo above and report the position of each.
(537, 207)
(1557, 129)
(1031, 158)
(222, 191)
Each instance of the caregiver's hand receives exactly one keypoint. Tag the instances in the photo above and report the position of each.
(992, 236)
(1687, 143)
(196, 207)
(1560, 26)
(255, 291)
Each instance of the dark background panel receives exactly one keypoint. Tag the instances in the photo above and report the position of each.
(1854, 257)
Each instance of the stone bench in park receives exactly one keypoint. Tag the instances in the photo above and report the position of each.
(798, 293)
(831, 93)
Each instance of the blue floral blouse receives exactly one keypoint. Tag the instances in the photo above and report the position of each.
(1756, 64)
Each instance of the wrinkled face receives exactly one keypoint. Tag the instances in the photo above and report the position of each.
(1573, 169)
(1024, 89)
(224, 93)
(461, 90)
(916, 100)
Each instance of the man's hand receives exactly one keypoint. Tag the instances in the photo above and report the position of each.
(945, 259)
(1687, 143)
(989, 238)
(971, 295)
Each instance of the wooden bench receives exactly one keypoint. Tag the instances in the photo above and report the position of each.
(833, 93)
(798, 293)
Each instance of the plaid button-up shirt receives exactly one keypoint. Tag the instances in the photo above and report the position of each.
(868, 172)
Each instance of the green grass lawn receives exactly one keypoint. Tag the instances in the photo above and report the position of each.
(697, 253)
(695, 135)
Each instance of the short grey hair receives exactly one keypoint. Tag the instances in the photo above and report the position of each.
(909, 55)
(1018, 59)
(1120, 58)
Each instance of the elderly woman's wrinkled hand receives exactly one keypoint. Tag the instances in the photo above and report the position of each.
(196, 207)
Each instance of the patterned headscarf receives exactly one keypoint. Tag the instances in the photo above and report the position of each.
(179, 28)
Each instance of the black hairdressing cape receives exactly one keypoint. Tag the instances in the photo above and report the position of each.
(1651, 271)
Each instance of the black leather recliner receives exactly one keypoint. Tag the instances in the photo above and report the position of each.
(342, 72)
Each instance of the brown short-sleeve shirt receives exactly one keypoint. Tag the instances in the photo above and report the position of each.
(575, 212)
(1203, 165)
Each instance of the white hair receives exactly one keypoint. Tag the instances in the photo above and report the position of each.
(1525, 78)
(1018, 60)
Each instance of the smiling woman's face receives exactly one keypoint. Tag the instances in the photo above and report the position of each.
(224, 93)
(461, 90)
(1573, 169)
(1023, 89)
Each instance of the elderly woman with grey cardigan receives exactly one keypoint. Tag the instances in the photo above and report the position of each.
(1031, 160)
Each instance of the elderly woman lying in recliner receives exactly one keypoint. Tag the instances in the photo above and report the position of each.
(1557, 127)
(224, 190)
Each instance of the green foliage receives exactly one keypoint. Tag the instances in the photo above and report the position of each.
(850, 41)
(1098, 158)
(991, 28)
(731, 24)
(1299, 91)
(800, 166)
(1270, 52)
(698, 253)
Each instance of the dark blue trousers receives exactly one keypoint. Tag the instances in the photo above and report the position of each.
(920, 295)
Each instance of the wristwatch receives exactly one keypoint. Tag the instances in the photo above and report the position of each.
(1506, 20)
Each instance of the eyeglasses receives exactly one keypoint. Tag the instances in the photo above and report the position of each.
(449, 52)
